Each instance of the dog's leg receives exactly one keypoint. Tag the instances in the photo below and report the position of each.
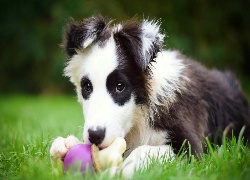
(141, 157)
(59, 149)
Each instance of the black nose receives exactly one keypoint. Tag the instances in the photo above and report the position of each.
(96, 136)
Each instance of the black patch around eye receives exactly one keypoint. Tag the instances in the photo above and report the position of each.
(114, 82)
(86, 88)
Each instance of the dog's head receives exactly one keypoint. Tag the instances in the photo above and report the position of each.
(109, 67)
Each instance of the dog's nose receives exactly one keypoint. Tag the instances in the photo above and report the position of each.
(96, 136)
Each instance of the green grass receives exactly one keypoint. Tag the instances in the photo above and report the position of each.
(28, 125)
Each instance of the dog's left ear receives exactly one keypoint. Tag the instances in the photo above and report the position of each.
(152, 40)
(141, 41)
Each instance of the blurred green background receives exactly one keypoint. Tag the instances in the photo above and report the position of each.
(216, 33)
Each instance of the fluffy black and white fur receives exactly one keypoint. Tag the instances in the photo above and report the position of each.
(156, 99)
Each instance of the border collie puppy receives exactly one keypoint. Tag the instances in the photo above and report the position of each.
(156, 99)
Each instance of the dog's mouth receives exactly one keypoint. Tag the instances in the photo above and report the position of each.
(101, 148)
(105, 144)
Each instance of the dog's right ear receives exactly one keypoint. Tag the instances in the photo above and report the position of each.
(79, 35)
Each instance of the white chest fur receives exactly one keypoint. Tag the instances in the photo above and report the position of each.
(142, 134)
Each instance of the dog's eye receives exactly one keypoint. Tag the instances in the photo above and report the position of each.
(120, 87)
(87, 86)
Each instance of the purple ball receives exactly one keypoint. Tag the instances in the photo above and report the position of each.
(79, 157)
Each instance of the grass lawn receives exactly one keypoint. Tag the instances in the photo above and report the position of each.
(29, 124)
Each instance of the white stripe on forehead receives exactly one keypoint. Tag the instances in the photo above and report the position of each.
(100, 62)
(96, 63)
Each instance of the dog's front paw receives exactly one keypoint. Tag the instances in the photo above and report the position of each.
(60, 147)
(141, 157)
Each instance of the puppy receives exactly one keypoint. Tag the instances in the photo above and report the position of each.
(158, 100)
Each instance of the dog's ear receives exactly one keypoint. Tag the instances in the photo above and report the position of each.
(79, 35)
(152, 40)
(141, 41)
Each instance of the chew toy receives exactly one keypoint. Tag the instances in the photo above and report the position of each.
(87, 156)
